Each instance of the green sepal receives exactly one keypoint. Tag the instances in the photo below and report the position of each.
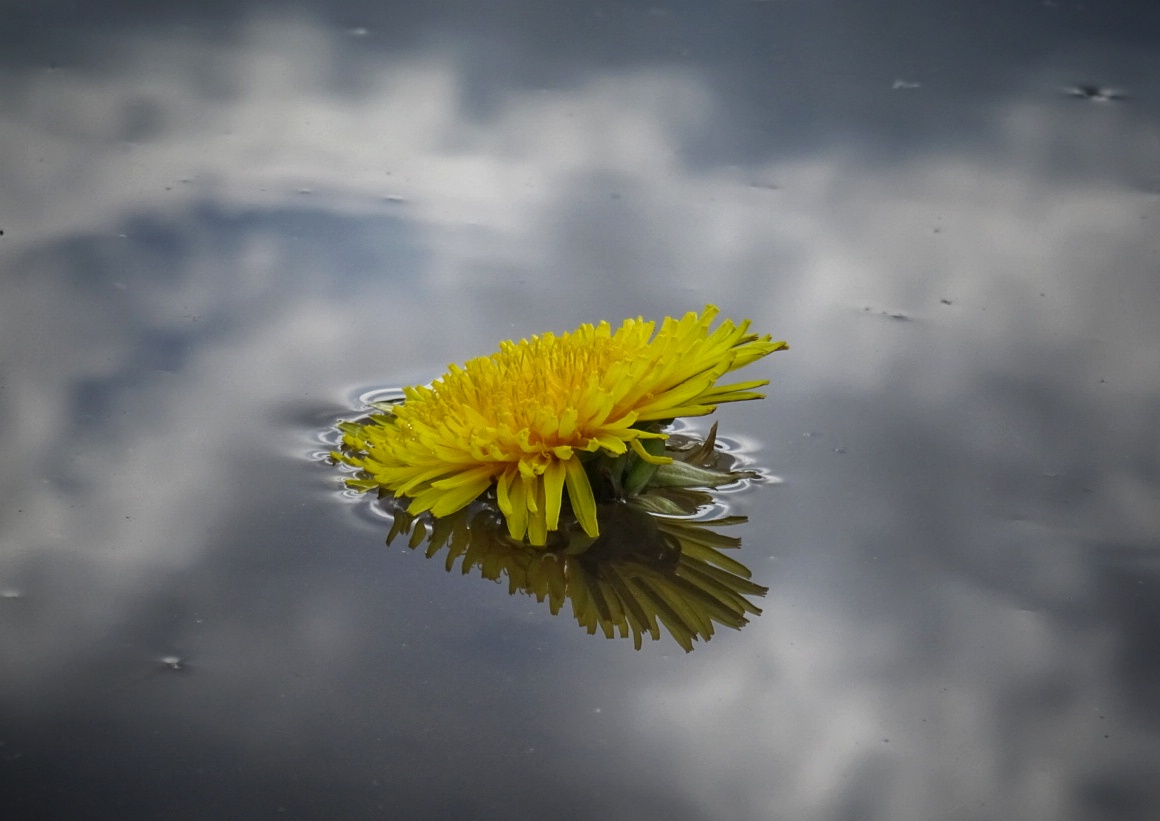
(655, 503)
(684, 474)
(640, 473)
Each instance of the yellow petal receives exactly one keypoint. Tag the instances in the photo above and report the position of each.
(554, 491)
(640, 451)
(580, 495)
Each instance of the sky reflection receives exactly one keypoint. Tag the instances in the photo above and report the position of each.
(212, 244)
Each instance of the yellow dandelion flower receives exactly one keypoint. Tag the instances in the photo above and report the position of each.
(526, 418)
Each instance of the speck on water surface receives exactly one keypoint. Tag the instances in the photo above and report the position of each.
(1096, 93)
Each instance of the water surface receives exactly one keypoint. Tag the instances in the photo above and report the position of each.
(221, 228)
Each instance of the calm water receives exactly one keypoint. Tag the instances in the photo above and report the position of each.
(220, 229)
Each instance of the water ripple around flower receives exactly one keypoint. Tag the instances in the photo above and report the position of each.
(528, 419)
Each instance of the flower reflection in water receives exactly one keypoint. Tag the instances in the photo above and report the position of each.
(654, 565)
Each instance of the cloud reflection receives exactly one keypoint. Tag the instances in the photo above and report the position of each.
(206, 234)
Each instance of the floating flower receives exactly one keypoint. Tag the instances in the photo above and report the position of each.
(528, 419)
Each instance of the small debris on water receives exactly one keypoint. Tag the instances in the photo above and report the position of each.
(1096, 93)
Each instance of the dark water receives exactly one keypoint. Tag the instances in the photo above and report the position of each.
(221, 227)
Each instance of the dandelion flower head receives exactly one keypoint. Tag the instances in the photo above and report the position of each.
(527, 418)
